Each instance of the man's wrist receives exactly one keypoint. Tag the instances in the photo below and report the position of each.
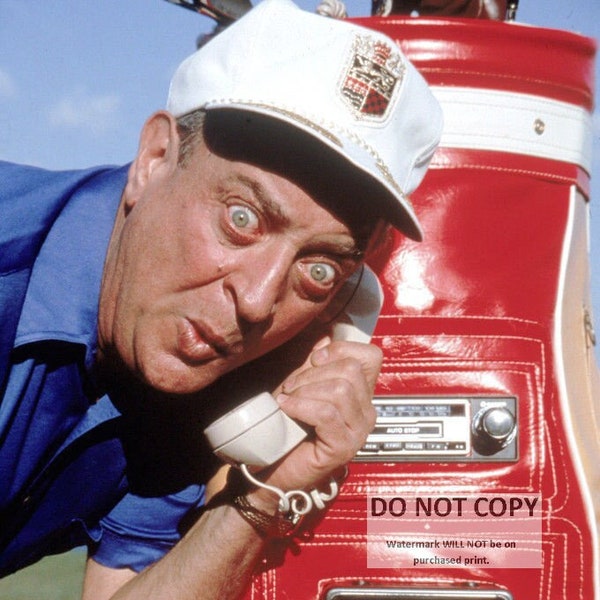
(270, 510)
(259, 507)
(266, 524)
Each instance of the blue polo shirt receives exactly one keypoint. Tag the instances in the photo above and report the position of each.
(63, 469)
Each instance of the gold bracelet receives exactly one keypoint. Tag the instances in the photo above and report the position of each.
(278, 525)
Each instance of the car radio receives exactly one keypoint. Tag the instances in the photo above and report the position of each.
(442, 429)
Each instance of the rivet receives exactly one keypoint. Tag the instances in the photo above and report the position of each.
(539, 126)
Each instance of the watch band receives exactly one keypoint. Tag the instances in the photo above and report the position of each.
(267, 525)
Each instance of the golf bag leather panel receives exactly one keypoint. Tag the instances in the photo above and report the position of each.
(494, 303)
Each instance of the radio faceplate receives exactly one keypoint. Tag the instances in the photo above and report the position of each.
(466, 428)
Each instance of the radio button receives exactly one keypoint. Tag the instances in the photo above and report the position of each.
(371, 447)
(392, 446)
(458, 446)
(414, 446)
(439, 446)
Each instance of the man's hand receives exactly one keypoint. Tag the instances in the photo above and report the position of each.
(332, 393)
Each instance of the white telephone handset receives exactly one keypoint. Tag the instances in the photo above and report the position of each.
(258, 433)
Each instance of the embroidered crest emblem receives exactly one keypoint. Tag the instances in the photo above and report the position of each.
(374, 73)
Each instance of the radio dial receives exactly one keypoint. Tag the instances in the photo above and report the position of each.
(494, 428)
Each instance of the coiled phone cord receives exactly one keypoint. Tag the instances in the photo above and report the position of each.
(297, 502)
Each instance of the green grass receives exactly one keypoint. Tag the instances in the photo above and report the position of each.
(53, 578)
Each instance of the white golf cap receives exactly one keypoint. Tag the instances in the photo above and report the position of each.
(347, 86)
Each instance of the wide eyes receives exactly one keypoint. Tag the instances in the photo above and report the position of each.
(322, 273)
(242, 217)
(316, 274)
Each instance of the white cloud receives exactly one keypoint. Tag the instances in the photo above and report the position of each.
(82, 110)
(8, 87)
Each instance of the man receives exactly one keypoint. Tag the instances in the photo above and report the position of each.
(138, 304)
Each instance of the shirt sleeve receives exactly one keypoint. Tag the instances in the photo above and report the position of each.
(139, 530)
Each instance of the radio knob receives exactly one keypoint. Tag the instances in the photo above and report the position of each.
(498, 423)
(494, 429)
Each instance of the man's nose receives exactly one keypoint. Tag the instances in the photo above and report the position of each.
(260, 283)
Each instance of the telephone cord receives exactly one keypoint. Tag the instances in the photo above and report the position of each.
(297, 502)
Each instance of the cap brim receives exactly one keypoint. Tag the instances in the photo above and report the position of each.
(388, 201)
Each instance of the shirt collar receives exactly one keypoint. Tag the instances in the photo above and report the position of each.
(61, 302)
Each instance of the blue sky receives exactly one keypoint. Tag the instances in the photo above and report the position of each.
(79, 77)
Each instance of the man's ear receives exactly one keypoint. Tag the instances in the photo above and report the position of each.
(158, 152)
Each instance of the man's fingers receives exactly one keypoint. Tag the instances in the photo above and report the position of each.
(343, 359)
(314, 401)
(368, 355)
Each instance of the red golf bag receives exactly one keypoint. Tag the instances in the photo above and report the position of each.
(489, 389)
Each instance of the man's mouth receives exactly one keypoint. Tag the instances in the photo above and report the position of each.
(198, 343)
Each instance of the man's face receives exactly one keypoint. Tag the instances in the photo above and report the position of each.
(213, 265)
